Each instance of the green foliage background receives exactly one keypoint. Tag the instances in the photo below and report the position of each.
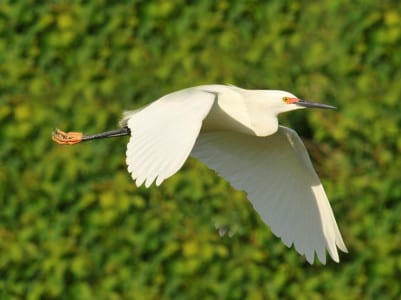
(74, 226)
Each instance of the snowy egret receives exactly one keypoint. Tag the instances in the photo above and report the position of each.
(235, 132)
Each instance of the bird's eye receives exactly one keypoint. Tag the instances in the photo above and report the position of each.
(285, 99)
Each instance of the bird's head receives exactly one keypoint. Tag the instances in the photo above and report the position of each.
(282, 101)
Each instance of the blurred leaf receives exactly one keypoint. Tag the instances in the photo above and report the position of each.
(73, 225)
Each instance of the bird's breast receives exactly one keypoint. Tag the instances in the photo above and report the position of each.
(236, 116)
(238, 110)
(222, 119)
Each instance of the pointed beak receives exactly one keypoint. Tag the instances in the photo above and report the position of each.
(313, 104)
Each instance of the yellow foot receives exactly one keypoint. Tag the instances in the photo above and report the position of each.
(69, 138)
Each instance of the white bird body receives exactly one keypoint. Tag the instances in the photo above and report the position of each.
(235, 109)
(236, 133)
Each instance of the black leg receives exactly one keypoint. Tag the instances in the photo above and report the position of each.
(71, 138)
(113, 133)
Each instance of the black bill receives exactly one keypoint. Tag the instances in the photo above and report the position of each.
(314, 105)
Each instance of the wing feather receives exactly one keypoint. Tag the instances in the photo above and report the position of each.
(164, 133)
(279, 179)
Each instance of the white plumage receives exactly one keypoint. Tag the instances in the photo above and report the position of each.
(236, 133)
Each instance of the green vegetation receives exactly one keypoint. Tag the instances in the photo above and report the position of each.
(74, 226)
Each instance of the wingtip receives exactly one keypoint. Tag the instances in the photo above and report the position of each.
(159, 181)
(310, 259)
(341, 246)
(336, 259)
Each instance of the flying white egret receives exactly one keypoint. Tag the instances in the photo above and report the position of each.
(235, 132)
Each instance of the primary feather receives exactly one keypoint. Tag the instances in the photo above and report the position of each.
(279, 179)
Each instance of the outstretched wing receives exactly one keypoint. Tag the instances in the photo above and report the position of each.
(279, 179)
(164, 133)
